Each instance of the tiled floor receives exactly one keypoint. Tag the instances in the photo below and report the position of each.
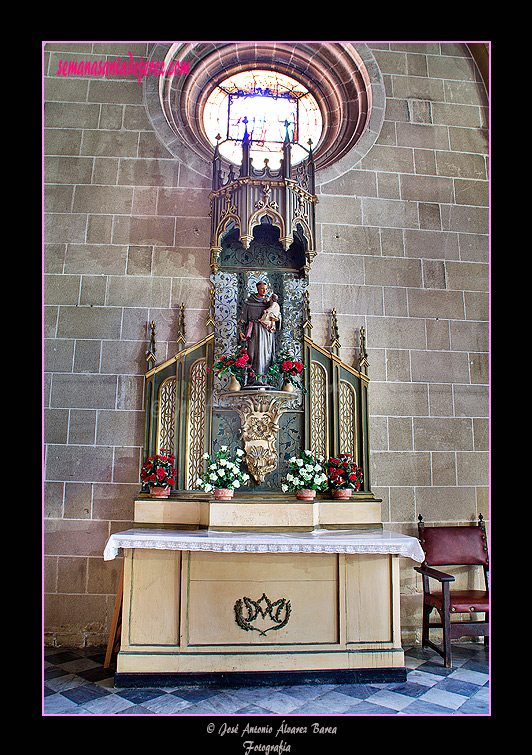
(75, 683)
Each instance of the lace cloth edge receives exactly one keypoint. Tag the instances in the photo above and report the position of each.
(402, 549)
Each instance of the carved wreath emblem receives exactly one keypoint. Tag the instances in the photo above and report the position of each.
(248, 611)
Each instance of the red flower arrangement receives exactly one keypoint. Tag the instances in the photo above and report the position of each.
(289, 369)
(237, 364)
(158, 471)
(343, 472)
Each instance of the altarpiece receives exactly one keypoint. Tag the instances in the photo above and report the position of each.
(261, 583)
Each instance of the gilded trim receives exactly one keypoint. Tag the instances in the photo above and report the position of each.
(336, 359)
(179, 355)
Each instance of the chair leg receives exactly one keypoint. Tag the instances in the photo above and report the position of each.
(447, 641)
(446, 624)
(427, 610)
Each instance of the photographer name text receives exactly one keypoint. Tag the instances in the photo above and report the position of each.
(251, 746)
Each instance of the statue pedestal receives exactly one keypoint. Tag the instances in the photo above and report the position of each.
(259, 411)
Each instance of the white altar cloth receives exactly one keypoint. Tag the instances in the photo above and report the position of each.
(317, 541)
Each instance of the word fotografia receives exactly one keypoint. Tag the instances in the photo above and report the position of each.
(122, 67)
(278, 749)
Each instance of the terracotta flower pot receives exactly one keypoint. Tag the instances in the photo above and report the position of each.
(305, 494)
(158, 492)
(223, 494)
(342, 493)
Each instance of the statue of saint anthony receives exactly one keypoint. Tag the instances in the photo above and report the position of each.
(259, 340)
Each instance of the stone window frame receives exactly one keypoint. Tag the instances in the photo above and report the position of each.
(343, 77)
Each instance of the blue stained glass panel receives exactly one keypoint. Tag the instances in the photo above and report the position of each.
(266, 100)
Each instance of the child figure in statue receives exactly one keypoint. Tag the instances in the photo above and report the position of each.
(271, 315)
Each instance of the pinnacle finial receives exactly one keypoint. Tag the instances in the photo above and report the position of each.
(150, 354)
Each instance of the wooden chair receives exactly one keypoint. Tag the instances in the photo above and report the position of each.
(453, 546)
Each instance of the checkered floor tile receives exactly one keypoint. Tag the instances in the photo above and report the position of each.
(76, 683)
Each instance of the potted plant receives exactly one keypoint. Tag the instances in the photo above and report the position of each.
(238, 365)
(289, 369)
(158, 472)
(306, 475)
(344, 475)
(222, 474)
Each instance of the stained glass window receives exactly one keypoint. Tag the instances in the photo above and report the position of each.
(267, 104)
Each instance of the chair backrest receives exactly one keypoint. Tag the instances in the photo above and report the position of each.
(454, 546)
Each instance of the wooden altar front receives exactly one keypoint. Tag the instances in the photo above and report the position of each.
(239, 607)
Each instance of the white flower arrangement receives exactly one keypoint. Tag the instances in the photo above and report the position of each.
(305, 473)
(222, 471)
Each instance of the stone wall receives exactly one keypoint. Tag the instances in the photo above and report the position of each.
(402, 250)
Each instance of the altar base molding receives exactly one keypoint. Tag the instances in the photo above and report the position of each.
(258, 512)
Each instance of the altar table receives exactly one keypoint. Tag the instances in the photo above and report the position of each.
(202, 605)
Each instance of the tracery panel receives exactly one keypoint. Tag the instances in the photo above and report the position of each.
(196, 416)
(318, 410)
(166, 415)
(347, 419)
